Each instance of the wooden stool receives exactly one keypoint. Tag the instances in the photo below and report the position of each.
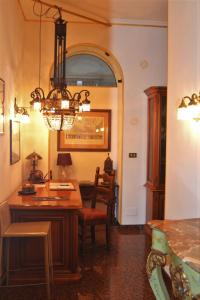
(10, 230)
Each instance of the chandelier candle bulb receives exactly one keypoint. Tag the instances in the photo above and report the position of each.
(86, 105)
(37, 106)
(65, 104)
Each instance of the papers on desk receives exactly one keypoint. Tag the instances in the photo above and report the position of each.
(41, 185)
(68, 186)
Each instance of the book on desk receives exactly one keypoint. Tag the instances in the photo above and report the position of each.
(68, 186)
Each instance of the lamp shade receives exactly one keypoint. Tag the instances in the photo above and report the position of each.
(64, 159)
(34, 156)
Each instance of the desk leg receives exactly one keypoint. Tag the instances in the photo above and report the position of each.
(157, 259)
(185, 280)
(155, 262)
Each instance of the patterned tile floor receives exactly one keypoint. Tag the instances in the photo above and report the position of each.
(115, 275)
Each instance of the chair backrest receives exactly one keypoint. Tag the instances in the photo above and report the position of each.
(5, 219)
(103, 195)
(105, 180)
(96, 178)
(104, 191)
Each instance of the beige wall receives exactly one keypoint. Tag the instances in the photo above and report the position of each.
(183, 143)
(142, 53)
(11, 70)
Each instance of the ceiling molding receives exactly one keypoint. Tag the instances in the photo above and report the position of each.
(139, 23)
(91, 21)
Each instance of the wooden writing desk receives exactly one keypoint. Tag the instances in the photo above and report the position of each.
(63, 214)
(176, 244)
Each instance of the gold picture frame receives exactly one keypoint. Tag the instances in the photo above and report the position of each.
(2, 100)
(91, 132)
(14, 141)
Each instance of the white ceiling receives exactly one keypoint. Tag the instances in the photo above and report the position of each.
(128, 11)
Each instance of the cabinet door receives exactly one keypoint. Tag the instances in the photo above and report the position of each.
(150, 139)
(163, 114)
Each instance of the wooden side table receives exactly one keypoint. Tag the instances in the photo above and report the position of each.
(175, 243)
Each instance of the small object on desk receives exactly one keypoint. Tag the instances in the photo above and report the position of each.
(36, 176)
(27, 189)
(61, 186)
(26, 193)
(39, 185)
(50, 198)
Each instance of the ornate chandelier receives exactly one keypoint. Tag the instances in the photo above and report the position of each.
(60, 107)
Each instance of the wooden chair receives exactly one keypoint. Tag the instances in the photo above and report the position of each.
(107, 181)
(10, 230)
(92, 216)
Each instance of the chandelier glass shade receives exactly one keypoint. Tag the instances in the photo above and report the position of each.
(60, 107)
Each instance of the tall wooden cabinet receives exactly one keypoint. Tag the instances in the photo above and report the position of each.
(156, 151)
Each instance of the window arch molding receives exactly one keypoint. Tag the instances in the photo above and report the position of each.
(102, 54)
(88, 70)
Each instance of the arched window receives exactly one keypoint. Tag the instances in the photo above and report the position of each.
(88, 70)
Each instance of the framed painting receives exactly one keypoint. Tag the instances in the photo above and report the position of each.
(2, 100)
(14, 141)
(91, 132)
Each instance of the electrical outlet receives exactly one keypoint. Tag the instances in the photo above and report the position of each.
(131, 211)
(132, 155)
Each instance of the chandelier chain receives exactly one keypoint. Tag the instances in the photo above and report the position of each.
(40, 45)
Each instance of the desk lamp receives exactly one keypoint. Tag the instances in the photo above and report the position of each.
(36, 176)
(63, 160)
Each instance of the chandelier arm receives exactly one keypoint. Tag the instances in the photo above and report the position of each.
(66, 93)
(50, 93)
(40, 92)
(87, 93)
(61, 123)
(47, 120)
(37, 94)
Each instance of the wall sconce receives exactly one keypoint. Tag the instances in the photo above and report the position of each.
(189, 109)
(21, 113)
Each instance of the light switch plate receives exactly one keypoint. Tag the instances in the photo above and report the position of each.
(132, 155)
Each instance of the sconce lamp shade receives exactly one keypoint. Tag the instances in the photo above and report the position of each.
(64, 159)
(182, 112)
